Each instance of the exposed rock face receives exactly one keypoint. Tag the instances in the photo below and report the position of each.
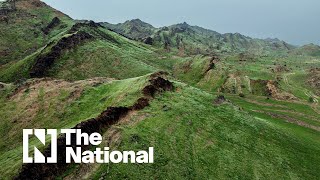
(148, 40)
(270, 88)
(45, 61)
(54, 23)
(275, 92)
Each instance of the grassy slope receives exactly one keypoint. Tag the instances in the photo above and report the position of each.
(23, 35)
(183, 126)
(116, 57)
(195, 140)
(46, 107)
(121, 60)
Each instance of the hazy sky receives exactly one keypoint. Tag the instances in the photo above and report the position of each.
(295, 21)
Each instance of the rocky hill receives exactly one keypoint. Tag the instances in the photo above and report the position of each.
(196, 40)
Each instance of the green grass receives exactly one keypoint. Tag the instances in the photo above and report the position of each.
(196, 140)
(22, 36)
(56, 112)
(193, 138)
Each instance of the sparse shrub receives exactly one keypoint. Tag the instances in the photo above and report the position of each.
(219, 100)
(311, 100)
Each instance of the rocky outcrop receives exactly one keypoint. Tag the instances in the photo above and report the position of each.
(276, 93)
(148, 40)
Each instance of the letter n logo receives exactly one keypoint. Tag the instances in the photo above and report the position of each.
(38, 156)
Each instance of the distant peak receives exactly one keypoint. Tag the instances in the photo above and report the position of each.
(273, 39)
(136, 20)
(311, 45)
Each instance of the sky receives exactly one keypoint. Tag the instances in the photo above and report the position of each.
(294, 21)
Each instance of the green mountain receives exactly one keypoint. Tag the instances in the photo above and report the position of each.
(307, 50)
(214, 106)
(28, 28)
(134, 29)
(196, 40)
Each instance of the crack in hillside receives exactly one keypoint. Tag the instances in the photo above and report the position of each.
(100, 124)
(45, 61)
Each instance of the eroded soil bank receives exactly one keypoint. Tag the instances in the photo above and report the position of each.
(111, 116)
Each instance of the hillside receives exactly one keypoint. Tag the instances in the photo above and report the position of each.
(189, 39)
(27, 28)
(228, 133)
(307, 50)
(133, 29)
(214, 106)
(84, 45)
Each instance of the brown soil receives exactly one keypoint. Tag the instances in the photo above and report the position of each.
(102, 123)
(270, 88)
(54, 23)
(26, 96)
(277, 94)
(45, 61)
(157, 85)
(140, 104)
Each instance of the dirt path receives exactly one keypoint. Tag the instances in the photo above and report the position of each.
(290, 120)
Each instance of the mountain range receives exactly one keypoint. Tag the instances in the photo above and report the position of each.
(213, 106)
(196, 40)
